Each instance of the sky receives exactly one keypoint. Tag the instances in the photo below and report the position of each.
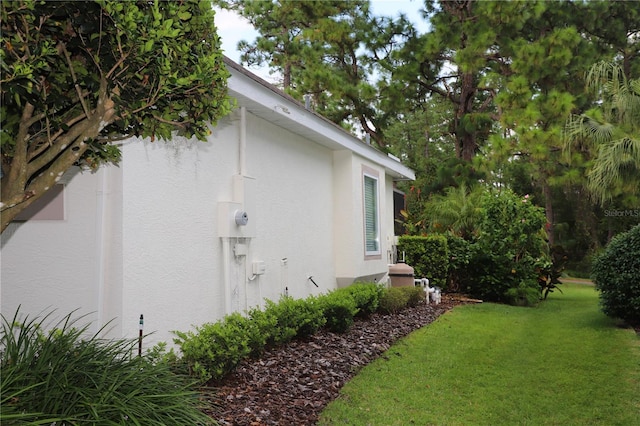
(232, 28)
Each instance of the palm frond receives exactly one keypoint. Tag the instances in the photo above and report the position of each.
(618, 162)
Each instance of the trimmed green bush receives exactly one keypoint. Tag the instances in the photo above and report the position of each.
(367, 297)
(616, 273)
(339, 309)
(429, 257)
(296, 318)
(416, 295)
(215, 349)
(267, 324)
(394, 299)
(64, 377)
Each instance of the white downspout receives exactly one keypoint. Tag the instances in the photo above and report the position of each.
(226, 259)
(242, 157)
(100, 231)
(242, 171)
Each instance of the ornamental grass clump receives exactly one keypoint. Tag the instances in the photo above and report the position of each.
(57, 375)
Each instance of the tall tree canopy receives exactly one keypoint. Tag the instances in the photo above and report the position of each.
(610, 133)
(332, 51)
(77, 76)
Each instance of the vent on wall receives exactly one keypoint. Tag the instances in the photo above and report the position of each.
(48, 207)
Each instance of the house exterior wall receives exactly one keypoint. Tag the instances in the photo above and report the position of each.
(156, 236)
(352, 264)
(179, 271)
(66, 265)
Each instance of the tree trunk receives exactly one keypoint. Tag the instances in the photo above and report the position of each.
(548, 208)
(466, 139)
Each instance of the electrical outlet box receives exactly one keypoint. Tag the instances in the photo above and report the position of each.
(240, 250)
(259, 267)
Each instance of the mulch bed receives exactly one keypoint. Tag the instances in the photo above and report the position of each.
(291, 385)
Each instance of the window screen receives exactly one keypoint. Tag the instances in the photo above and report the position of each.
(371, 225)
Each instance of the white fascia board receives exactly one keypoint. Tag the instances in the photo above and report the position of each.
(268, 102)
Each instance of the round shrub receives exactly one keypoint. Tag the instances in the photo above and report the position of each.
(338, 309)
(616, 273)
(393, 300)
(367, 297)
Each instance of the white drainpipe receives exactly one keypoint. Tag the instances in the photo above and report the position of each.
(226, 259)
(238, 196)
(242, 157)
(101, 212)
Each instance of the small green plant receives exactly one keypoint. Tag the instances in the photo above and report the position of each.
(367, 297)
(339, 309)
(215, 349)
(69, 376)
(549, 272)
(266, 324)
(393, 300)
(616, 273)
(527, 293)
(429, 257)
(295, 318)
(416, 295)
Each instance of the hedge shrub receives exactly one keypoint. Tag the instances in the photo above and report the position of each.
(417, 296)
(429, 257)
(215, 349)
(616, 273)
(395, 299)
(339, 309)
(510, 247)
(460, 252)
(212, 350)
(295, 318)
(367, 297)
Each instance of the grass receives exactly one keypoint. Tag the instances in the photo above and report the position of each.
(561, 363)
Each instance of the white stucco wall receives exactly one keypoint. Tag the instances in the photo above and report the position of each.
(351, 262)
(174, 261)
(56, 264)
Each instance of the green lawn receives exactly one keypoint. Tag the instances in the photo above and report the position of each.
(561, 363)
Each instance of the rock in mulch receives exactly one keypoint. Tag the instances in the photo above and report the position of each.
(291, 385)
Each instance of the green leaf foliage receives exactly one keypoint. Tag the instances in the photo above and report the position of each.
(395, 299)
(77, 76)
(616, 273)
(429, 257)
(460, 253)
(366, 297)
(510, 247)
(339, 310)
(58, 373)
(213, 350)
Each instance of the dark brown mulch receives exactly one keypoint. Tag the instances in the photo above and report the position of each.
(292, 384)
